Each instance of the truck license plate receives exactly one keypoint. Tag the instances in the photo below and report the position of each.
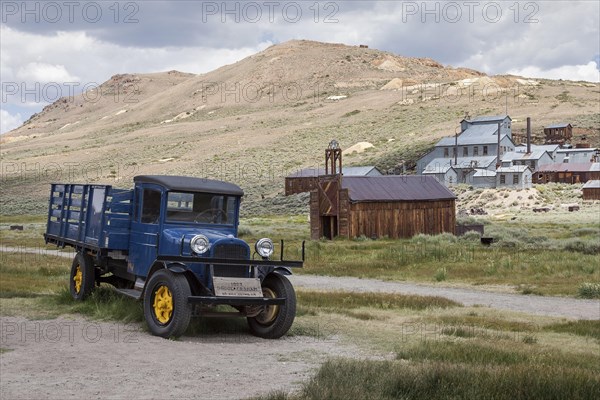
(237, 287)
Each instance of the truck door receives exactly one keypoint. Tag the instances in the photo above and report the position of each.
(145, 228)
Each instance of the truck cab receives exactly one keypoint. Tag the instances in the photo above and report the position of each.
(172, 242)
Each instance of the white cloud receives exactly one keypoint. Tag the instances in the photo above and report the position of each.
(44, 73)
(586, 72)
(9, 121)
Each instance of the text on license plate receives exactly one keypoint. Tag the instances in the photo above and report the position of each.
(237, 287)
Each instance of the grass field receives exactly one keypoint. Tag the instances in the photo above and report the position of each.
(421, 346)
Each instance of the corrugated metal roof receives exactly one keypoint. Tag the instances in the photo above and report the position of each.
(395, 188)
(488, 118)
(559, 125)
(463, 162)
(577, 150)
(437, 169)
(484, 173)
(592, 185)
(513, 169)
(535, 154)
(546, 147)
(347, 171)
(475, 134)
(569, 167)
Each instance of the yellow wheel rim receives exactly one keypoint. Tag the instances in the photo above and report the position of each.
(163, 304)
(270, 312)
(78, 279)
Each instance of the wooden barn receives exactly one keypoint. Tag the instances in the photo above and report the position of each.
(591, 190)
(394, 206)
(558, 133)
(567, 173)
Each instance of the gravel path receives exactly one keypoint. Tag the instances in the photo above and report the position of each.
(539, 305)
(75, 358)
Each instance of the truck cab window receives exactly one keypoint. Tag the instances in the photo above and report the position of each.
(151, 206)
(201, 208)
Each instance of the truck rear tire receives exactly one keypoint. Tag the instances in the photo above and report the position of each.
(82, 277)
(274, 321)
(166, 307)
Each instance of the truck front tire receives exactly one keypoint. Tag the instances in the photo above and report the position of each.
(274, 321)
(82, 277)
(166, 308)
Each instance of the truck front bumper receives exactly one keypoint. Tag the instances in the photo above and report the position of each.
(236, 301)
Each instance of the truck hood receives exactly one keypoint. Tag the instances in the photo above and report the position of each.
(176, 241)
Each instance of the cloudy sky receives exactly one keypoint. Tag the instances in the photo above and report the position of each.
(57, 47)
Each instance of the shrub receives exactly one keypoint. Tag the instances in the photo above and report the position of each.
(589, 290)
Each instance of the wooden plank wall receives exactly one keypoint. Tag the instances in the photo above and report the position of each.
(401, 219)
(316, 230)
(591, 193)
(300, 185)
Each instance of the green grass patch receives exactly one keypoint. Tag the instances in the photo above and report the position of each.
(586, 328)
(380, 301)
(367, 379)
(103, 304)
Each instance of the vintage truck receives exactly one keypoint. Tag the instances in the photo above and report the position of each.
(172, 241)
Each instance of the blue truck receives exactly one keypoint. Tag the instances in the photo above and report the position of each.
(172, 242)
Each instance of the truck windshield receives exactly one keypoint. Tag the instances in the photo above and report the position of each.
(203, 208)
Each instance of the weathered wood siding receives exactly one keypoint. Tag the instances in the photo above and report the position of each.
(300, 185)
(591, 193)
(316, 230)
(565, 176)
(401, 219)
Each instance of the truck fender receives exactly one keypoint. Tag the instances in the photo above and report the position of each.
(283, 270)
(263, 272)
(177, 268)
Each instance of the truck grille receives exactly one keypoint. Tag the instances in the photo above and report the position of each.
(232, 252)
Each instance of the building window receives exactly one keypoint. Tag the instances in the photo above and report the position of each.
(454, 152)
(465, 151)
(446, 153)
(450, 180)
(476, 151)
(515, 179)
(502, 179)
(485, 151)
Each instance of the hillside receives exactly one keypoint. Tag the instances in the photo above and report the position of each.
(254, 121)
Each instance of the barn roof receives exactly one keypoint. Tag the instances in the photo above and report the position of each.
(559, 125)
(190, 184)
(395, 188)
(474, 134)
(595, 184)
(569, 167)
(346, 171)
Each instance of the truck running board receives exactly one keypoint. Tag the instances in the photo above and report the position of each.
(134, 293)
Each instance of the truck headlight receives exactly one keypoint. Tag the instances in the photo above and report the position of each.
(199, 244)
(264, 247)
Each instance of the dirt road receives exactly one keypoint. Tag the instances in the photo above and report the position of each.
(538, 305)
(75, 358)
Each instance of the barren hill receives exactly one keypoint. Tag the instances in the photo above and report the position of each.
(253, 121)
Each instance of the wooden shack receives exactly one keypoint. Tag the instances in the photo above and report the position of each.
(567, 173)
(391, 206)
(558, 133)
(591, 190)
